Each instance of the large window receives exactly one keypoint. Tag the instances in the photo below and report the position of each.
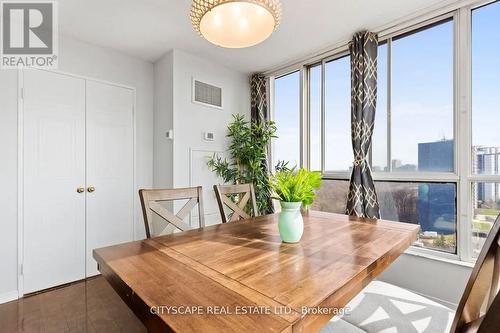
(485, 148)
(286, 113)
(486, 89)
(338, 147)
(435, 153)
(422, 100)
(414, 133)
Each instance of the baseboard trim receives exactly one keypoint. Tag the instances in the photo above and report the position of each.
(9, 296)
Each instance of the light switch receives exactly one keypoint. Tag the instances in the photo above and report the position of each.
(169, 134)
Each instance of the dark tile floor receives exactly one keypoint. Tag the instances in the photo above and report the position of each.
(87, 306)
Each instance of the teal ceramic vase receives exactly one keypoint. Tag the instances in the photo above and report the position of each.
(290, 222)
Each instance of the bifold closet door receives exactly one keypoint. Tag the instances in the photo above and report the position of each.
(110, 167)
(54, 179)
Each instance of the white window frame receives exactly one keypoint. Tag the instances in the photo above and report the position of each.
(462, 175)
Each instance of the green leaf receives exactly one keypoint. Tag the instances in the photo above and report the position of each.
(294, 186)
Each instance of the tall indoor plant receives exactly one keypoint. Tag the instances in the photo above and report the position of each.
(248, 153)
(294, 189)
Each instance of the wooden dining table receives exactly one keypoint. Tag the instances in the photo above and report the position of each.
(240, 276)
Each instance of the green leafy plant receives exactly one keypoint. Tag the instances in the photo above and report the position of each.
(290, 185)
(248, 151)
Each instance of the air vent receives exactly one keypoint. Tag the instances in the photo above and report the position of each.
(207, 94)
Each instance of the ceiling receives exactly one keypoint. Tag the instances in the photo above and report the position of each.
(147, 29)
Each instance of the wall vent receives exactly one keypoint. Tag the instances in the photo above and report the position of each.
(207, 94)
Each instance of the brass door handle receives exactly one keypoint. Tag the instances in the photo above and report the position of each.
(91, 189)
(80, 190)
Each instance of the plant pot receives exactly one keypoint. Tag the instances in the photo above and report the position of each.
(290, 222)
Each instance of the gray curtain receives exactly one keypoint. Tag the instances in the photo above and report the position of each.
(258, 87)
(362, 199)
(259, 112)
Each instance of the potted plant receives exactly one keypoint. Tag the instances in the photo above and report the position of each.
(294, 189)
(247, 163)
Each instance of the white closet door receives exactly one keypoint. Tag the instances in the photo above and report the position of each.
(54, 167)
(110, 147)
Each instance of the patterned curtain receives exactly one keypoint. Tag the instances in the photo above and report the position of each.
(259, 112)
(258, 88)
(362, 199)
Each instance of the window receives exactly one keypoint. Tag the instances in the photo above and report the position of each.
(414, 131)
(379, 157)
(485, 89)
(485, 148)
(315, 117)
(287, 115)
(338, 146)
(421, 124)
(332, 196)
(432, 205)
(486, 207)
(435, 146)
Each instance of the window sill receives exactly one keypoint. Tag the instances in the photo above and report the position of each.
(434, 255)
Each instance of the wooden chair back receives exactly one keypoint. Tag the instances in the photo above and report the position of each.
(490, 322)
(150, 201)
(482, 289)
(244, 193)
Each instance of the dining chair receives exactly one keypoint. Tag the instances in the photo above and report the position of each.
(382, 306)
(151, 203)
(482, 287)
(243, 194)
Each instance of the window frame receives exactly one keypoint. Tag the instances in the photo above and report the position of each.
(469, 178)
(462, 175)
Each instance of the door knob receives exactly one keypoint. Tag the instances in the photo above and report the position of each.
(91, 189)
(80, 190)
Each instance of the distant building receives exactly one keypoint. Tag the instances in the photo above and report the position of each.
(436, 156)
(436, 202)
(486, 161)
(397, 165)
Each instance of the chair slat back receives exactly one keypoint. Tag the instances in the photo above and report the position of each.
(151, 199)
(244, 193)
(481, 290)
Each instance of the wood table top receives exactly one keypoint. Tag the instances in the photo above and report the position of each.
(240, 277)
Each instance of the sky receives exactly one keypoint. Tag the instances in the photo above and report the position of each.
(422, 97)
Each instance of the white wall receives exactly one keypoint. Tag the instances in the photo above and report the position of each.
(191, 120)
(163, 121)
(435, 279)
(87, 60)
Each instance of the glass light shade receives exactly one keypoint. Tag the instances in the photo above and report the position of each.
(236, 24)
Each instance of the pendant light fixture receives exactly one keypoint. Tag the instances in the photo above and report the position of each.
(235, 23)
